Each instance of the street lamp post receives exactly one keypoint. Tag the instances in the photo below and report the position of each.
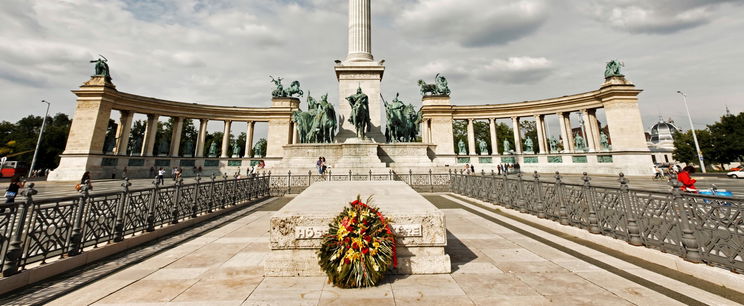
(38, 141)
(694, 135)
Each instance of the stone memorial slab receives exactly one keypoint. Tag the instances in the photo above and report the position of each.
(297, 229)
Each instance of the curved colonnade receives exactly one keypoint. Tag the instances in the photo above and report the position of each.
(97, 99)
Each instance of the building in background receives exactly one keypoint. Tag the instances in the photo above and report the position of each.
(660, 139)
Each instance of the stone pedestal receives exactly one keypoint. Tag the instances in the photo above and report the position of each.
(368, 76)
(297, 228)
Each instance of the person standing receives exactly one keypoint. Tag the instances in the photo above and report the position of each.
(13, 189)
(85, 180)
(323, 166)
(159, 178)
(319, 164)
(472, 169)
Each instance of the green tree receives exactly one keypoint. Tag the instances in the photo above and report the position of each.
(727, 137)
(460, 132)
(18, 140)
(136, 137)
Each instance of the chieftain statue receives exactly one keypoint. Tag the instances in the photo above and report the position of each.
(579, 142)
(553, 145)
(259, 150)
(402, 120)
(280, 92)
(102, 67)
(439, 88)
(483, 147)
(613, 69)
(360, 113)
(235, 149)
(529, 146)
(318, 124)
(604, 141)
(461, 148)
(507, 147)
(213, 149)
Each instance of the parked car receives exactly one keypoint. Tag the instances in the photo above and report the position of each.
(736, 174)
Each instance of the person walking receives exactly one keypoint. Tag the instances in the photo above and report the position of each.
(323, 166)
(13, 189)
(85, 180)
(159, 178)
(319, 164)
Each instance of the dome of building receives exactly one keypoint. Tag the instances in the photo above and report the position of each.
(663, 131)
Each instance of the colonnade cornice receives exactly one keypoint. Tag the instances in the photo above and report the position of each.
(146, 105)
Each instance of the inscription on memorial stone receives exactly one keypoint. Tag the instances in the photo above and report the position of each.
(317, 232)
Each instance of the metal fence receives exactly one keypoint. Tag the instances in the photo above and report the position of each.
(37, 231)
(699, 228)
(422, 182)
(707, 229)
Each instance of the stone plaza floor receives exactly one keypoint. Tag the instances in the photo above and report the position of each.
(495, 261)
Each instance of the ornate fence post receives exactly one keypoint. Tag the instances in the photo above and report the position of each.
(483, 172)
(589, 200)
(410, 177)
(562, 211)
(235, 190)
(289, 182)
(370, 175)
(195, 199)
(223, 196)
(267, 184)
(504, 191)
(538, 192)
(76, 237)
(431, 181)
(176, 199)
(211, 194)
(151, 208)
(521, 202)
(15, 248)
(119, 226)
(390, 175)
(350, 175)
(309, 178)
(634, 232)
(689, 241)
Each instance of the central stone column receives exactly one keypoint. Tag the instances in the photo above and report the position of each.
(360, 70)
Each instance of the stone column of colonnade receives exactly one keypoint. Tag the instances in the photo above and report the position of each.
(201, 138)
(564, 133)
(594, 126)
(177, 129)
(517, 135)
(151, 130)
(494, 138)
(588, 131)
(226, 139)
(123, 131)
(249, 139)
(471, 137)
(541, 140)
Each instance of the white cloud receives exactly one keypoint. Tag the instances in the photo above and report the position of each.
(473, 23)
(513, 70)
(655, 17)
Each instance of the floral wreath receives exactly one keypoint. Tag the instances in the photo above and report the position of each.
(359, 247)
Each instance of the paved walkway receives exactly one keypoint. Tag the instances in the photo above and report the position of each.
(494, 263)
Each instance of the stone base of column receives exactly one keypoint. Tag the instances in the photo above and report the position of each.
(366, 75)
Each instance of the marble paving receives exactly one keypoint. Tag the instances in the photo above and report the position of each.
(491, 265)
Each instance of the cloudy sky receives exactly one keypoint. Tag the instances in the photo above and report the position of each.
(493, 51)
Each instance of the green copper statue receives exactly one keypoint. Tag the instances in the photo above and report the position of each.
(259, 150)
(102, 67)
(483, 146)
(439, 88)
(529, 146)
(553, 145)
(579, 143)
(613, 69)
(318, 124)
(213, 149)
(235, 149)
(280, 92)
(359, 113)
(402, 121)
(507, 147)
(461, 148)
(604, 141)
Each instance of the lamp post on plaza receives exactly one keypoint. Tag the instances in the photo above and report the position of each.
(38, 141)
(694, 135)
